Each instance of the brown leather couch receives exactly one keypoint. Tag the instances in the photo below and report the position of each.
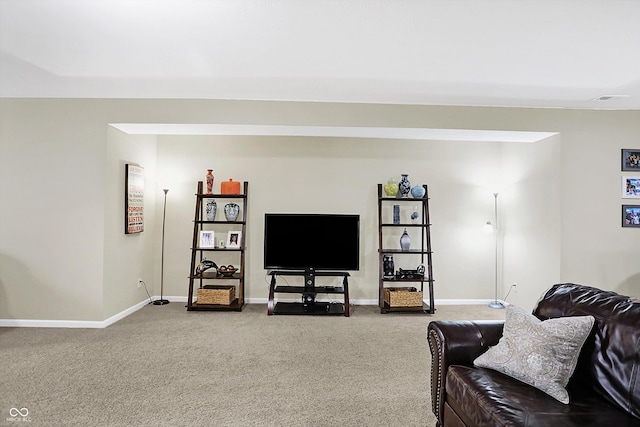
(603, 391)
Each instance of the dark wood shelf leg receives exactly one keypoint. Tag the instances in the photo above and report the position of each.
(345, 285)
(272, 287)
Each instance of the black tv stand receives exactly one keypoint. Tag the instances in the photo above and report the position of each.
(308, 305)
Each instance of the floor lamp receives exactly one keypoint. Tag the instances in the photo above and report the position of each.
(495, 303)
(162, 301)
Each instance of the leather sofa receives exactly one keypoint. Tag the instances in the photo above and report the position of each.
(604, 389)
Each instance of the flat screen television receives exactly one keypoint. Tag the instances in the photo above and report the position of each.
(311, 241)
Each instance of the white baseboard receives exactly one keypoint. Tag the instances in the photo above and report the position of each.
(31, 323)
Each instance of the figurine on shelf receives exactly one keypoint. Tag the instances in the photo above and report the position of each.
(205, 265)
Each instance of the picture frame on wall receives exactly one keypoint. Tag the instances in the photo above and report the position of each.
(631, 187)
(233, 239)
(207, 239)
(133, 199)
(631, 216)
(630, 159)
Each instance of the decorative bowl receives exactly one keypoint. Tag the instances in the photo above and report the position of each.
(227, 271)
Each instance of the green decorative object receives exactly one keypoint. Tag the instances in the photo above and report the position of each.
(391, 188)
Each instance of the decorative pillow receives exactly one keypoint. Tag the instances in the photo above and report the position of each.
(542, 354)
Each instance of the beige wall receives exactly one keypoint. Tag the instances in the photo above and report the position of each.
(130, 256)
(52, 186)
(62, 173)
(339, 175)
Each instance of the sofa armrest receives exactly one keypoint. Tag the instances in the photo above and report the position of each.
(456, 342)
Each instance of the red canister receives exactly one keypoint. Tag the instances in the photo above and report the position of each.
(230, 187)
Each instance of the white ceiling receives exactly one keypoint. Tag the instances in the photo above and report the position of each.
(526, 53)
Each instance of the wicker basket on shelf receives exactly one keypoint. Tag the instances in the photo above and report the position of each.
(403, 297)
(212, 294)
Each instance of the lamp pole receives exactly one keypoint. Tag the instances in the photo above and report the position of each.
(162, 301)
(495, 303)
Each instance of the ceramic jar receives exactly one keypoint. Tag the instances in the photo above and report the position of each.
(230, 187)
(404, 186)
(211, 209)
(418, 192)
(391, 188)
(231, 211)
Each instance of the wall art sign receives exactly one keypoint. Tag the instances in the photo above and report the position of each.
(631, 159)
(133, 199)
(631, 216)
(631, 187)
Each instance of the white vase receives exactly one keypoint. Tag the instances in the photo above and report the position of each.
(211, 209)
(231, 211)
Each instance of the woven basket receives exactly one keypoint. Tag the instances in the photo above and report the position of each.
(221, 295)
(403, 297)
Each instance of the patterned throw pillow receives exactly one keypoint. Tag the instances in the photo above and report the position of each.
(542, 354)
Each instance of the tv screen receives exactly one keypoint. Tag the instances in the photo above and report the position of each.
(318, 241)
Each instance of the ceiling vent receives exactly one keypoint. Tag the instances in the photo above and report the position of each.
(610, 97)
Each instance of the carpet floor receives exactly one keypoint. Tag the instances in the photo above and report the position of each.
(164, 366)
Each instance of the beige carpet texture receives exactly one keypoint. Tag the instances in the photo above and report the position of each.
(164, 366)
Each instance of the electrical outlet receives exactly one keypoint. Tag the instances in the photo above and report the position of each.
(139, 283)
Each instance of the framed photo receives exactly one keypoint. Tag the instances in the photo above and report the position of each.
(631, 187)
(630, 160)
(631, 216)
(133, 199)
(207, 239)
(233, 239)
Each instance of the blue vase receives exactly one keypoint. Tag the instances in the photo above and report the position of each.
(396, 214)
(404, 186)
(418, 192)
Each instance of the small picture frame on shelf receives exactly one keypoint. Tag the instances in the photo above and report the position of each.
(631, 216)
(631, 187)
(630, 159)
(207, 239)
(233, 239)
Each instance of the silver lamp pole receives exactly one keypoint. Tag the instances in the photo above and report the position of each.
(162, 301)
(495, 303)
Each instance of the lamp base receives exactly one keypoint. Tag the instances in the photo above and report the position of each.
(161, 302)
(496, 304)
